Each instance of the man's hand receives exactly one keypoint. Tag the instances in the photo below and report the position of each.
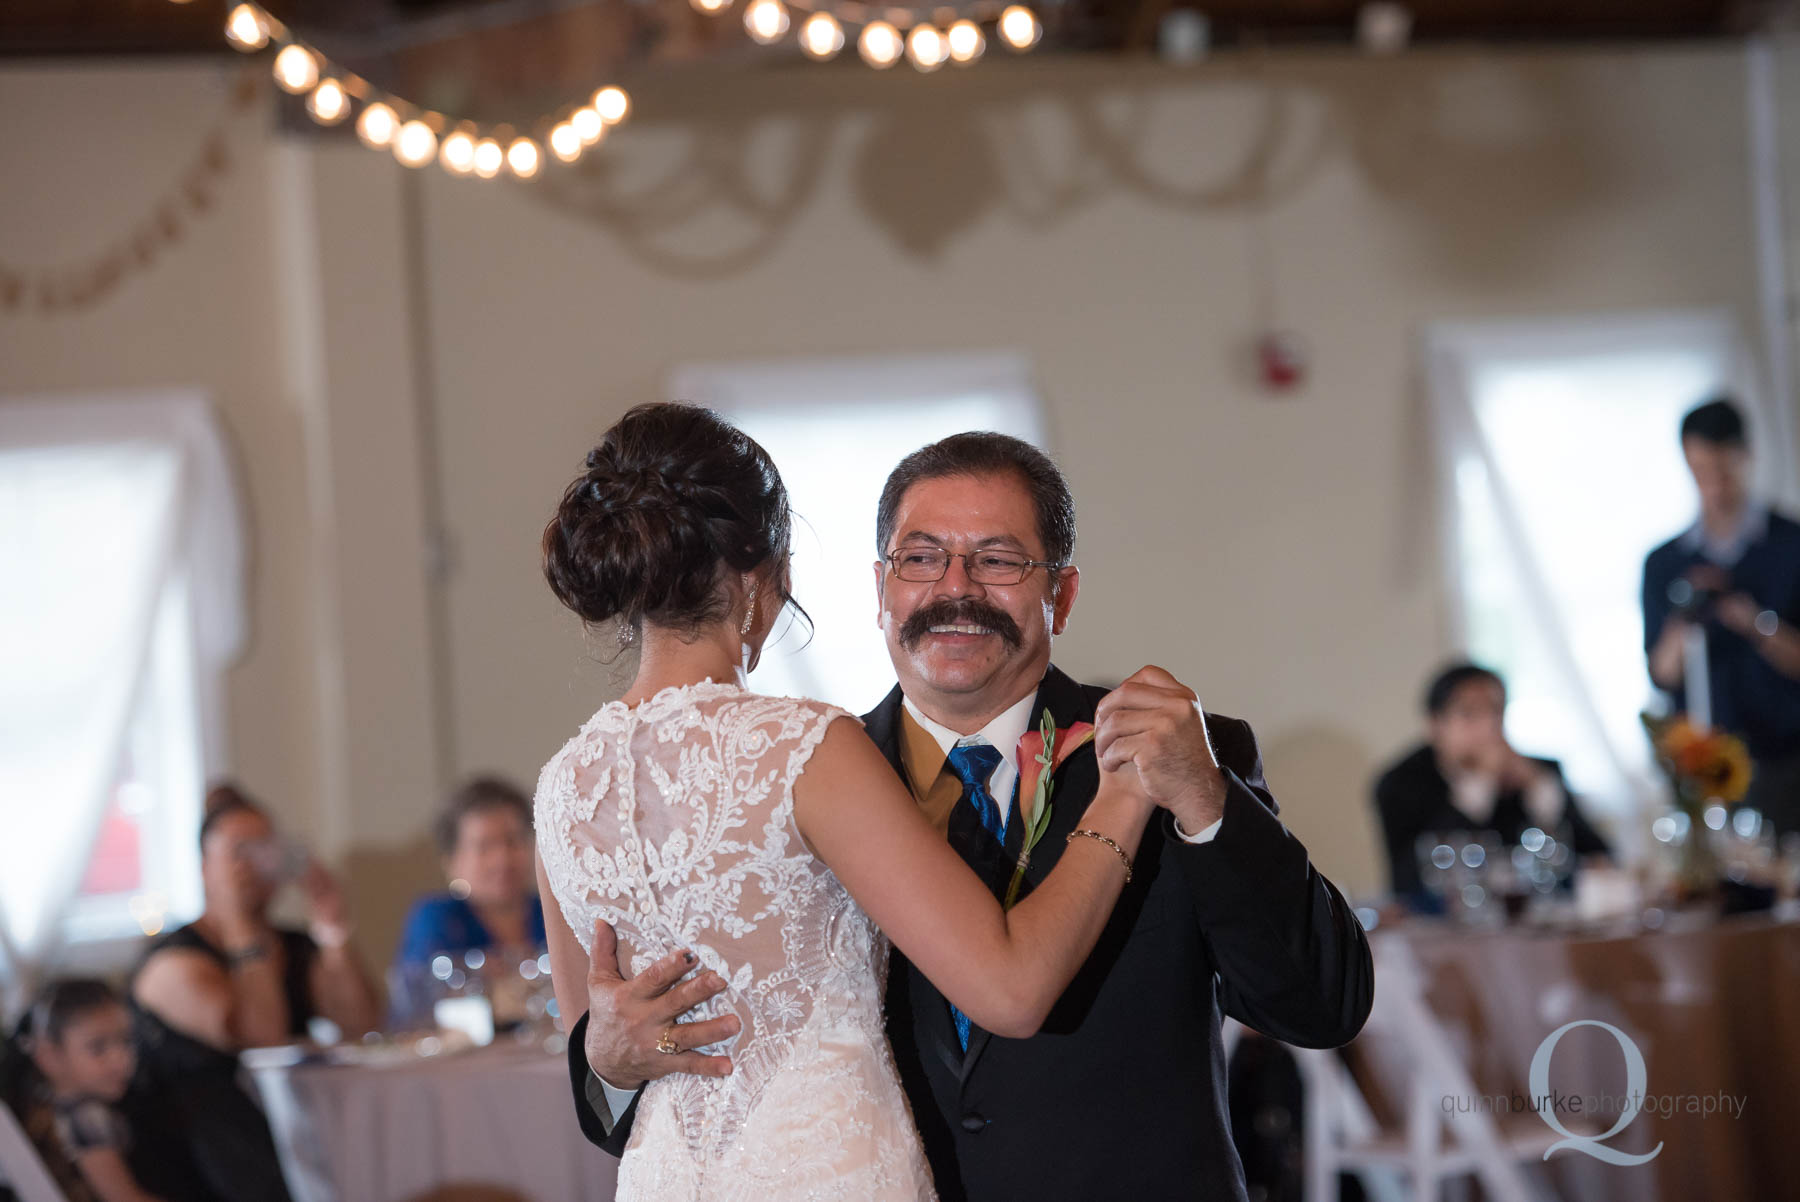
(627, 1018)
(1738, 613)
(1155, 722)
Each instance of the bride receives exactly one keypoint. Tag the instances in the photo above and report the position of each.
(769, 838)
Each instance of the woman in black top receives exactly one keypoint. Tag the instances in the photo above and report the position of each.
(229, 981)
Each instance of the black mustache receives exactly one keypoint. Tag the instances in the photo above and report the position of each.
(960, 613)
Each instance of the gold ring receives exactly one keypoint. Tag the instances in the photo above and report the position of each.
(665, 1043)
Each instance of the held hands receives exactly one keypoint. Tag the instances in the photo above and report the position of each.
(1154, 723)
(627, 1019)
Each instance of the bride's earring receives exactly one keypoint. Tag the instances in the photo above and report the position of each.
(749, 614)
(746, 652)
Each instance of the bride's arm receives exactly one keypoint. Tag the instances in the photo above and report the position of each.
(1004, 969)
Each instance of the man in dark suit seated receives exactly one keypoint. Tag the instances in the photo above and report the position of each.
(1121, 1094)
(1467, 777)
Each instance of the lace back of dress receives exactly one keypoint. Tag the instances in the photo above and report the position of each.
(674, 823)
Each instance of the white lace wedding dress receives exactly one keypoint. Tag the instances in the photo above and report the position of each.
(674, 822)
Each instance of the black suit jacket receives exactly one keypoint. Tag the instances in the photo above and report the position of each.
(1122, 1092)
(1413, 797)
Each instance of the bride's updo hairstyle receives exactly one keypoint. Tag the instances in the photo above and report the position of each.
(674, 502)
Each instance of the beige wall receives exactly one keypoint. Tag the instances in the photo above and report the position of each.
(1103, 219)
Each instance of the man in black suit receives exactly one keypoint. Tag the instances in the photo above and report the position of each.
(1224, 915)
(1467, 777)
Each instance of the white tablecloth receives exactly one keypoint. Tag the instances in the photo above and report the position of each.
(495, 1124)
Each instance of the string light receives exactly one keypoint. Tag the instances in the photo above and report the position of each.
(524, 157)
(488, 158)
(926, 48)
(880, 44)
(614, 105)
(1020, 28)
(301, 70)
(328, 104)
(247, 28)
(711, 7)
(296, 70)
(565, 143)
(415, 145)
(377, 125)
(966, 42)
(587, 125)
(821, 36)
(766, 20)
(457, 154)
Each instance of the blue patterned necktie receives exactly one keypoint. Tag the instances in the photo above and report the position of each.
(974, 765)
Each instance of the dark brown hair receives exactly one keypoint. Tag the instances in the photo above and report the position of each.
(224, 799)
(984, 453)
(675, 498)
(475, 796)
(1443, 686)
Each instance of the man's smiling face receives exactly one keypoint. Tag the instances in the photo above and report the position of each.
(965, 650)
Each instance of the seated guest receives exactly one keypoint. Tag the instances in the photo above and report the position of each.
(1467, 777)
(64, 1074)
(232, 980)
(484, 836)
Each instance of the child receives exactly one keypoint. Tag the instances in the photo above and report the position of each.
(71, 1062)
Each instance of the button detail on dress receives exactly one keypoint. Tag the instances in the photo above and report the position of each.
(972, 1122)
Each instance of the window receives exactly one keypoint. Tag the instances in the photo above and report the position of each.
(119, 611)
(1564, 470)
(835, 429)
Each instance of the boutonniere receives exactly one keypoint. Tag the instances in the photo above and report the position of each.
(1041, 752)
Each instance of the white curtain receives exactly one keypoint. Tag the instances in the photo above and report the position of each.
(1561, 470)
(115, 512)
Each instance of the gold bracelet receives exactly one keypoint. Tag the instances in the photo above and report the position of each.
(1085, 833)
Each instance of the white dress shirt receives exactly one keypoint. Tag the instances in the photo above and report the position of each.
(1004, 733)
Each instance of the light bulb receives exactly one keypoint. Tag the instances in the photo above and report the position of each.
(457, 154)
(524, 157)
(415, 145)
(880, 44)
(711, 7)
(377, 125)
(488, 158)
(565, 143)
(587, 125)
(296, 70)
(966, 42)
(612, 104)
(247, 28)
(1020, 28)
(926, 48)
(766, 20)
(328, 104)
(821, 36)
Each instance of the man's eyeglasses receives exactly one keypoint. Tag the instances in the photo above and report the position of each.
(923, 565)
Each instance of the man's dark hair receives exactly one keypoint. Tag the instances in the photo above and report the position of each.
(1719, 422)
(984, 453)
(477, 796)
(1444, 685)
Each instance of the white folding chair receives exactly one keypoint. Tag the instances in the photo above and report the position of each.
(20, 1166)
(1432, 1148)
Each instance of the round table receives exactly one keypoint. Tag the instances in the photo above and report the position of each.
(494, 1124)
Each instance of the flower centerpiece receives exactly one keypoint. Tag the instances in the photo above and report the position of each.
(1706, 767)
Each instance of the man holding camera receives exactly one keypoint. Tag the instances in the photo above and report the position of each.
(1734, 576)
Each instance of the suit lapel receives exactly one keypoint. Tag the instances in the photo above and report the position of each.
(932, 1023)
(1075, 786)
